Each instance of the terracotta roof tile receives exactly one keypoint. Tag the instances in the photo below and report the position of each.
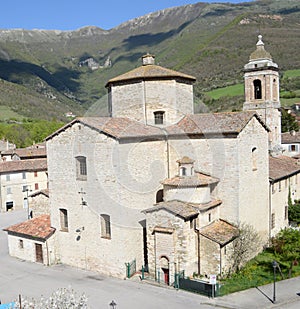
(197, 180)
(23, 165)
(213, 123)
(183, 209)
(44, 192)
(282, 167)
(39, 227)
(200, 124)
(290, 137)
(116, 127)
(185, 160)
(26, 152)
(151, 71)
(220, 231)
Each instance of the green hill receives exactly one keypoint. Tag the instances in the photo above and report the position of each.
(45, 74)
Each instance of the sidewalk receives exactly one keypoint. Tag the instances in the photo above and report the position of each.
(261, 298)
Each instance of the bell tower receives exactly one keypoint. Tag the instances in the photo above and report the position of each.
(261, 79)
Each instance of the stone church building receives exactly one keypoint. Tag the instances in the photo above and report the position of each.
(158, 184)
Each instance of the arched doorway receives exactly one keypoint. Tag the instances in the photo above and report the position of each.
(164, 265)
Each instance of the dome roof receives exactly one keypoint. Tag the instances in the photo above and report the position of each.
(260, 52)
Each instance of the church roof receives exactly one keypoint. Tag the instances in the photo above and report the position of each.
(37, 228)
(194, 124)
(115, 127)
(282, 167)
(220, 231)
(185, 160)
(183, 209)
(149, 72)
(214, 123)
(196, 180)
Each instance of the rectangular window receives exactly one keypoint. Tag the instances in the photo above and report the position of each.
(7, 177)
(64, 225)
(273, 221)
(35, 174)
(23, 175)
(21, 244)
(81, 168)
(159, 117)
(279, 186)
(105, 226)
(36, 186)
(293, 148)
(24, 188)
(8, 190)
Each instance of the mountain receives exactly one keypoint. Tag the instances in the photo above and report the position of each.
(45, 74)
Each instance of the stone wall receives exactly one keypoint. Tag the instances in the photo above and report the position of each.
(179, 245)
(24, 249)
(122, 180)
(140, 100)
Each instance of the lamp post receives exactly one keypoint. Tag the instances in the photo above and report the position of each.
(113, 305)
(28, 212)
(274, 264)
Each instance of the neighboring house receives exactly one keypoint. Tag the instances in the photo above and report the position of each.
(37, 151)
(284, 185)
(290, 142)
(159, 185)
(39, 203)
(31, 240)
(20, 178)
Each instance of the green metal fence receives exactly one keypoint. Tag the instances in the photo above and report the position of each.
(130, 268)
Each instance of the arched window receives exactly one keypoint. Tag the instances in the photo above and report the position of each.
(105, 226)
(254, 159)
(64, 224)
(160, 196)
(182, 171)
(257, 89)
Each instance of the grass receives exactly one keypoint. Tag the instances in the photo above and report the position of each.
(230, 91)
(257, 272)
(291, 73)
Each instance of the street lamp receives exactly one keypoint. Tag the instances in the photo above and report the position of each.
(274, 264)
(113, 305)
(28, 211)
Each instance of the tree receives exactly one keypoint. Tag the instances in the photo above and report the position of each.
(288, 122)
(294, 212)
(244, 247)
(61, 298)
(286, 246)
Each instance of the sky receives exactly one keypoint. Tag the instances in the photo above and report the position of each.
(74, 14)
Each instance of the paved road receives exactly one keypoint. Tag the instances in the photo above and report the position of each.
(33, 280)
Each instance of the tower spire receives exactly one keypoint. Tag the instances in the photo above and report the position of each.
(262, 91)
